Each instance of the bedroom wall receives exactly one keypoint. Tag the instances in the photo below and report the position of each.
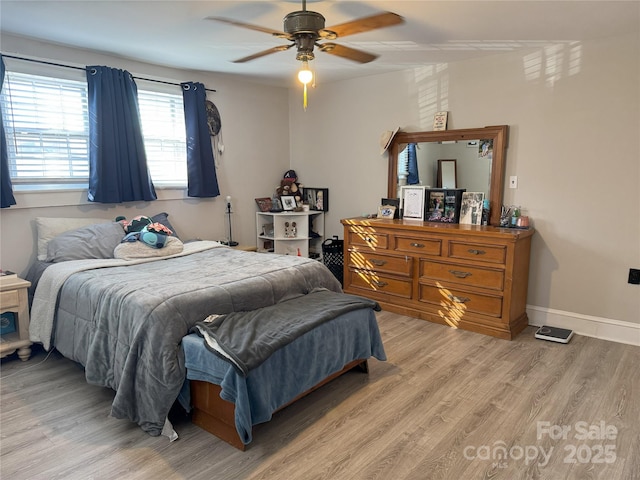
(574, 144)
(254, 160)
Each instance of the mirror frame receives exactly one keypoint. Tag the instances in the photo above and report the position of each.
(497, 133)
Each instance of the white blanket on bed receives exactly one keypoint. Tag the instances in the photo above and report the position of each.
(46, 295)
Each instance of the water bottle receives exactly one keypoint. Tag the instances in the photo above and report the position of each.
(514, 216)
(485, 212)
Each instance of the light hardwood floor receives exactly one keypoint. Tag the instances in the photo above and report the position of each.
(441, 407)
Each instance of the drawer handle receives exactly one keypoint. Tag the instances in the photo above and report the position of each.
(378, 263)
(455, 299)
(417, 245)
(473, 251)
(369, 239)
(460, 274)
(379, 284)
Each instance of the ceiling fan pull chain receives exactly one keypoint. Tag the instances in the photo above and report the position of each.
(304, 101)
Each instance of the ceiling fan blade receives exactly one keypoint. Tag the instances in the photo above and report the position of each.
(279, 48)
(346, 52)
(380, 20)
(275, 33)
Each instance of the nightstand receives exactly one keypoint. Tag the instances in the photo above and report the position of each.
(13, 298)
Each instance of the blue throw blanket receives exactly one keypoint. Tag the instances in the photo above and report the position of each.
(289, 371)
(247, 339)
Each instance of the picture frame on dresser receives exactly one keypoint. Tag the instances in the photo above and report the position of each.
(443, 204)
(386, 211)
(471, 208)
(395, 202)
(413, 197)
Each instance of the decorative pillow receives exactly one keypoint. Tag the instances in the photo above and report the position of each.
(48, 228)
(164, 220)
(135, 250)
(93, 241)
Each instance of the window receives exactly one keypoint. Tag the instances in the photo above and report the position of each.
(163, 128)
(47, 129)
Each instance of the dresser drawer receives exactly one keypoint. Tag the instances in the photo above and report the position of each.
(455, 302)
(478, 251)
(463, 274)
(420, 246)
(9, 299)
(379, 283)
(368, 238)
(362, 259)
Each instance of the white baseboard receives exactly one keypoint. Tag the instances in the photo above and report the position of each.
(597, 327)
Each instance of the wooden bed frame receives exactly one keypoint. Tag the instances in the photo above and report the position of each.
(217, 416)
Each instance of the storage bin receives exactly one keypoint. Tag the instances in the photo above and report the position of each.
(7, 323)
(333, 257)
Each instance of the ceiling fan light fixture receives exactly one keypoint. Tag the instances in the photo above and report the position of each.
(305, 75)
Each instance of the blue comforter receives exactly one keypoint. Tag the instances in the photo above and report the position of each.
(321, 351)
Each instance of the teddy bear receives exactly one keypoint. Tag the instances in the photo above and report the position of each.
(289, 186)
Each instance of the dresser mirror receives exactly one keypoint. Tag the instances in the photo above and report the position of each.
(479, 154)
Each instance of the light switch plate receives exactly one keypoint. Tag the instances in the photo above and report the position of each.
(513, 181)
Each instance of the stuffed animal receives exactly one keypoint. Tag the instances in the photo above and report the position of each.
(289, 186)
(144, 229)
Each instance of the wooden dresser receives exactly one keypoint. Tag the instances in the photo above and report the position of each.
(465, 276)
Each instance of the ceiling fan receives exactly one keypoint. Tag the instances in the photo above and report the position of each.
(303, 28)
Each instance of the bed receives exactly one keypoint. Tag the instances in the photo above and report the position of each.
(128, 322)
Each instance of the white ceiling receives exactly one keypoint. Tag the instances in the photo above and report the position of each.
(175, 32)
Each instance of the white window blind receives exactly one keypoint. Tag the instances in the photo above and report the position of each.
(46, 125)
(47, 128)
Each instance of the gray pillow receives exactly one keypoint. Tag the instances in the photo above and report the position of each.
(93, 241)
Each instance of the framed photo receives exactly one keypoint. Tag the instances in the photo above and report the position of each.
(471, 209)
(395, 202)
(435, 205)
(413, 202)
(317, 198)
(264, 204)
(443, 205)
(386, 211)
(288, 202)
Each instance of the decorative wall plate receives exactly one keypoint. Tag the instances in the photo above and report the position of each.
(213, 119)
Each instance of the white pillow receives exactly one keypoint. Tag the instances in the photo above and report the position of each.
(48, 228)
(136, 250)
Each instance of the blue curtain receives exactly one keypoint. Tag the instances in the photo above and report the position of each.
(6, 188)
(202, 179)
(117, 160)
(413, 178)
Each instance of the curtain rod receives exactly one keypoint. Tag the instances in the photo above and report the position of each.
(80, 68)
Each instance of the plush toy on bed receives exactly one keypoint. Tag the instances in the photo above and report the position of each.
(145, 230)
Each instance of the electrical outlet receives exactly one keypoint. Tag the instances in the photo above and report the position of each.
(634, 276)
(513, 181)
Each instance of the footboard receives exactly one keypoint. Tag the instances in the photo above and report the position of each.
(217, 416)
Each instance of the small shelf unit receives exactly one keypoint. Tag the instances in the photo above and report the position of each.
(290, 233)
